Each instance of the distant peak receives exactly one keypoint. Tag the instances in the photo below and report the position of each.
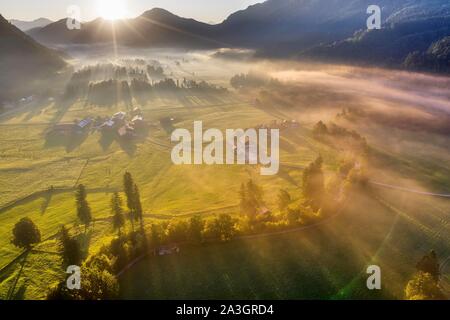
(157, 12)
(43, 20)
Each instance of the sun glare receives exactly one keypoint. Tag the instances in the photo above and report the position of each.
(111, 9)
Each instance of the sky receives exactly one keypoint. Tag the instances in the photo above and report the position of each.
(202, 10)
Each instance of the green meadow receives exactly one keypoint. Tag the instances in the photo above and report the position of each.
(390, 228)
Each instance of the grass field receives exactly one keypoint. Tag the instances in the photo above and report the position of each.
(390, 228)
(166, 190)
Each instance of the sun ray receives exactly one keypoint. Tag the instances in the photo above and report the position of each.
(112, 9)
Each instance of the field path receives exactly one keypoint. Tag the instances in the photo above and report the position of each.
(389, 186)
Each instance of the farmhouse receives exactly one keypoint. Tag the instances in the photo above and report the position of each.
(167, 250)
(107, 124)
(136, 111)
(119, 125)
(119, 116)
(241, 147)
(27, 99)
(84, 124)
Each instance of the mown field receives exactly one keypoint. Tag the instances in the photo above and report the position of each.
(390, 228)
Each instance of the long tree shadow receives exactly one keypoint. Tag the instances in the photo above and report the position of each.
(12, 289)
(47, 197)
(20, 294)
(128, 145)
(63, 105)
(106, 140)
(69, 142)
(167, 124)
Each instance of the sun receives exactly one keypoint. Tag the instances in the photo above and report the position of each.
(112, 9)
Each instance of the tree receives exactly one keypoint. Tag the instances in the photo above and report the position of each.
(423, 287)
(223, 227)
(177, 231)
(128, 187)
(138, 214)
(70, 247)
(251, 199)
(293, 216)
(255, 192)
(157, 234)
(313, 183)
(196, 227)
(25, 234)
(319, 130)
(97, 283)
(83, 209)
(284, 199)
(117, 211)
(430, 264)
(60, 292)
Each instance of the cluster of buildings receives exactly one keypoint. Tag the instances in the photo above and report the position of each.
(116, 124)
(119, 124)
(282, 124)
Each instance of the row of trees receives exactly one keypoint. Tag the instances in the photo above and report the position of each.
(317, 199)
(332, 134)
(435, 59)
(109, 92)
(194, 230)
(133, 200)
(98, 280)
(107, 84)
(252, 80)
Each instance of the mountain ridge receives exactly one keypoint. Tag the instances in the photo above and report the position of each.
(28, 25)
(332, 30)
(22, 61)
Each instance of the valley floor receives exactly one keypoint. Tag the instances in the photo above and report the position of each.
(390, 228)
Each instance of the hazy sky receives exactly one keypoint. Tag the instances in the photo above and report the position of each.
(203, 10)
